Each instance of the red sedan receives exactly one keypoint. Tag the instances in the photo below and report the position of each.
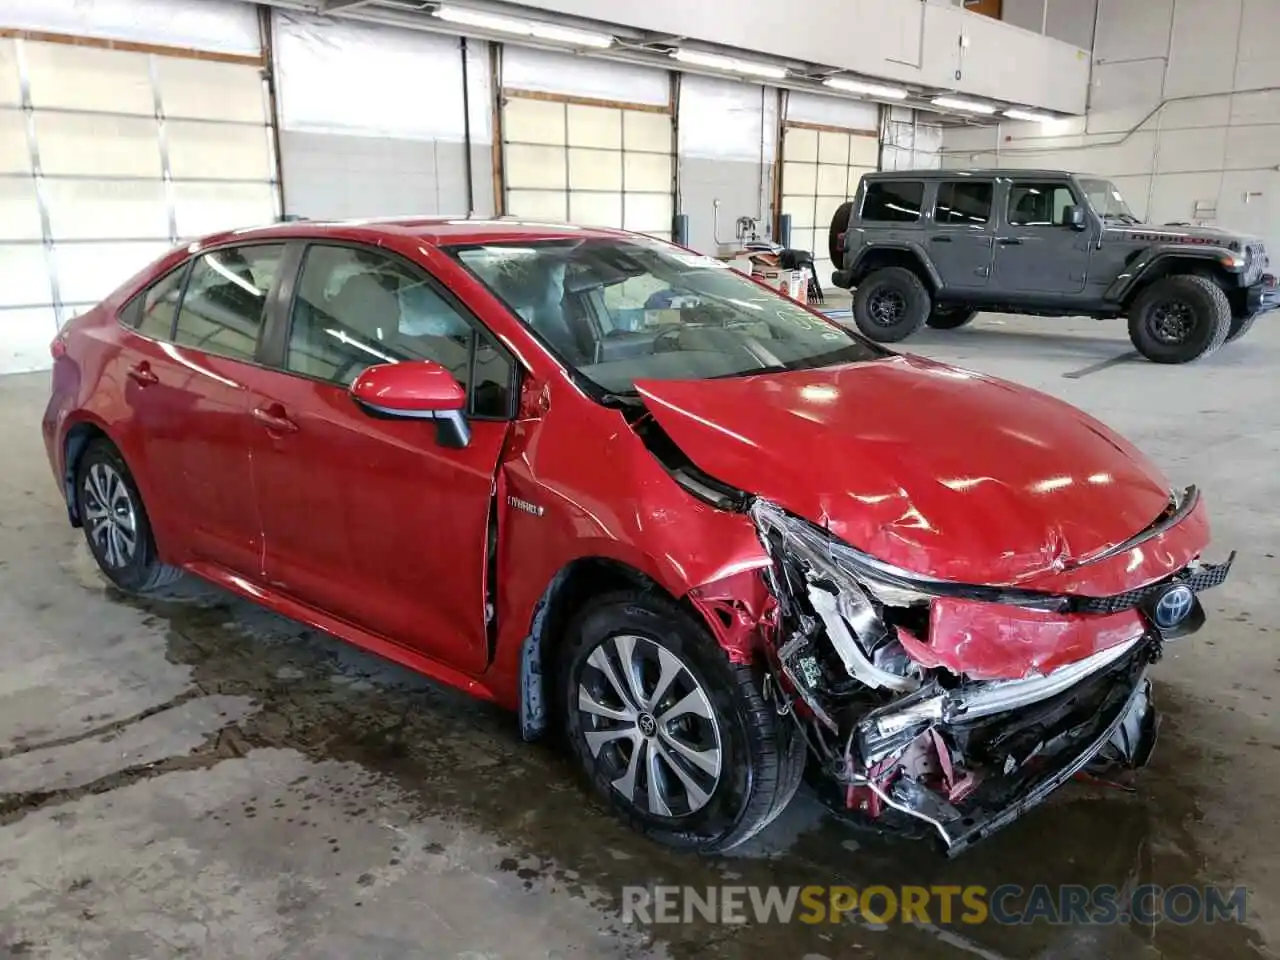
(621, 488)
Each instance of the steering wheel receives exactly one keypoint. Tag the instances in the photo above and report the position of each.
(672, 336)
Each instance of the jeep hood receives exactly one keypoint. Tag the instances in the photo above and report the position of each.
(1203, 236)
(936, 470)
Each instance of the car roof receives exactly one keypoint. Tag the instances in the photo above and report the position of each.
(952, 174)
(437, 231)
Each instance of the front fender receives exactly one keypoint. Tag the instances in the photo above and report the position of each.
(1155, 258)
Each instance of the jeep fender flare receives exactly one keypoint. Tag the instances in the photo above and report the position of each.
(910, 247)
(1141, 268)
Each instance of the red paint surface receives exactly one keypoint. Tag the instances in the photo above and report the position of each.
(284, 489)
(407, 387)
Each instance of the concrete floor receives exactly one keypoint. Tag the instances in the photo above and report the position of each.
(196, 777)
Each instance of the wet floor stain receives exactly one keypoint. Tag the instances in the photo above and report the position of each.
(277, 689)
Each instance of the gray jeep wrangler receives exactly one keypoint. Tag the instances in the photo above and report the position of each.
(935, 247)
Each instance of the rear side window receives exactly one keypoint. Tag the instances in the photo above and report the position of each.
(222, 312)
(963, 202)
(151, 312)
(1039, 204)
(356, 308)
(893, 201)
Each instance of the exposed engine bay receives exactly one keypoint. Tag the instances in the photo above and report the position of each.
(912, 711)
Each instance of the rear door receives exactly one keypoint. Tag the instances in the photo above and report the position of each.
(961, 242)
(191, 353)
(370, 519)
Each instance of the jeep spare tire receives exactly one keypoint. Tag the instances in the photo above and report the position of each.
(839, 224)
(950, 318)
(1180, 319)
(891, 304)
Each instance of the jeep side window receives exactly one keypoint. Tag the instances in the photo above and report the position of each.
(1039, 204)
(964, 202)
(893, 201)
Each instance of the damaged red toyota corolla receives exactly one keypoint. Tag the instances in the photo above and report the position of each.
(619, 487)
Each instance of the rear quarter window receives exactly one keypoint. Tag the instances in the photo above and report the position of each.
(893, 201)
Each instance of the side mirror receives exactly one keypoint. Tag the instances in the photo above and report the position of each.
(1074, 218)
(416, 390)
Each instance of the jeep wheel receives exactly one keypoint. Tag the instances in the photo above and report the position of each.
(950, 318)
(891, 304)
(1180, 319)
(839, 224)
(1240, 326)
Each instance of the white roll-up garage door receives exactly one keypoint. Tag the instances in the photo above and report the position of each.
(587, 142)
(827, 145)
(108, 157)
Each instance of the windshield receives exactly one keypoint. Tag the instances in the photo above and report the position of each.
(618, 310)
(1107, 201)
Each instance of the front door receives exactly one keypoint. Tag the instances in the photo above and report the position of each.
(371, 519)
(960, 242)
(1037, 250)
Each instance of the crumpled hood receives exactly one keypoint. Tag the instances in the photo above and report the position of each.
(936, 470)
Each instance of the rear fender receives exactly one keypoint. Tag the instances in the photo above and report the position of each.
(894, 253)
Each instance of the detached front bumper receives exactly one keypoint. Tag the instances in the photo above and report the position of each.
(1106, 721)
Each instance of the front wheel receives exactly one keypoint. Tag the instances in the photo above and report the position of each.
(891, 304)
(950, 318)
(1180, 319)
(677, 739)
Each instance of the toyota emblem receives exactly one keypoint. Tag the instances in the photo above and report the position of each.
(1174, 606)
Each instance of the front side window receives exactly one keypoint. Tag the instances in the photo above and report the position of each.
(1039, 204)
(620, 310)
(223, 309)
(963, 202)
(893, 201)
(356, 308)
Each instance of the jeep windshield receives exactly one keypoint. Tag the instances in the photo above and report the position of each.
(1107, 201)
(618, 309)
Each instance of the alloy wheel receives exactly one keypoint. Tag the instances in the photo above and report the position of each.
(648, 721)
(1172, 322)
(110, 515)
(886, 307)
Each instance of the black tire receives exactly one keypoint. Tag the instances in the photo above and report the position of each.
(1180, 319)
(100, 468)
(761, 756)
(839, 224)
(953, 318)
(891, 304)
(1240, 326)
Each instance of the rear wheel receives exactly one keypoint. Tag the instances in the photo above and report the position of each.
(950, 318)
(1180, 319)
(115, 522)
(891, 304)
(1240, 326)
(677, 739)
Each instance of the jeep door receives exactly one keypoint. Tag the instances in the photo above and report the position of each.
(961, 242)
(1037, 250)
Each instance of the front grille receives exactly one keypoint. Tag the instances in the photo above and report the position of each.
(1198, 577)
(1255, 262)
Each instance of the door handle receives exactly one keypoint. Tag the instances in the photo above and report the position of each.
(140, 373)
(940, 239)
(1009, 242)
(273, 418)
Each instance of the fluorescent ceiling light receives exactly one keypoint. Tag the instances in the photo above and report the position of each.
(524, 28)
(731, 64)
(970, 106)
(1030, 116)
(866, 89)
